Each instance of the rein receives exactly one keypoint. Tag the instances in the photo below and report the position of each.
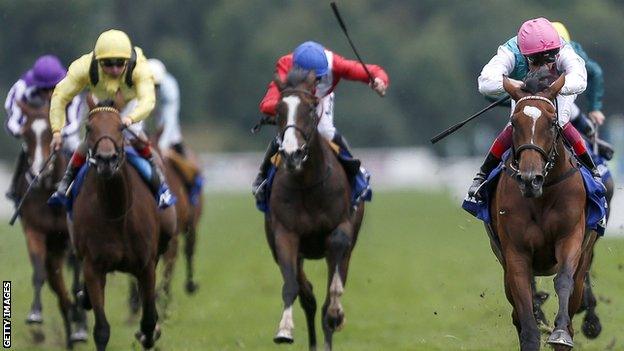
(313, 115)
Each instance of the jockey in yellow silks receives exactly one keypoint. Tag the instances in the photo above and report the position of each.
(113, 66)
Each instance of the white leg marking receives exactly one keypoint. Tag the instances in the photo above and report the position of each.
(290, 143)
(286, 325)
(38, 126)
(534, 113)
(336, 289)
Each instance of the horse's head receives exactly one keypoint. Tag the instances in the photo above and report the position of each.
(296, 117)
(37, 136)
(105, 138)
(535, 129)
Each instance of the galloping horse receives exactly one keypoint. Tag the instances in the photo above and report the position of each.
(45, 228)
(538, 217)
(310, 211)
(117, 224)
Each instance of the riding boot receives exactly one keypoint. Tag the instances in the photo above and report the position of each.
(258, 185)
(490, 162)
(11, 193)
(352, 166)
(586, 160)
(60, 195)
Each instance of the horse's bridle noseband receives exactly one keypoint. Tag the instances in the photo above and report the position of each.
(306, 136)
(550, 156)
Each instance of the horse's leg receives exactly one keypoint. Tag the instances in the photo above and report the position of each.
(518, 275)
(539, 297)
(78, 314)
(54, 268)
(287, 249)
(308, 303)
(338, 247)
(189, 251)
(95, 282)
(591, 323)
(147, 286)
(568, 253)
(35, 242)
(170, 257)
(134, 300)
(610, 186)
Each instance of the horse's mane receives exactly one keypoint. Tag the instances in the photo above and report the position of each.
(296, 77)
(539, 80)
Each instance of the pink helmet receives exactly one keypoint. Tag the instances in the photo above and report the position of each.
(538, 35)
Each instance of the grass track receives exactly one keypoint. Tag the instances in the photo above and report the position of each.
(422, 278)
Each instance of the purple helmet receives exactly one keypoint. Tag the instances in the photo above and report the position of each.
(46, 72)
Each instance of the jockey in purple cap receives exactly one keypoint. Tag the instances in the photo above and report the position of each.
(35, 88)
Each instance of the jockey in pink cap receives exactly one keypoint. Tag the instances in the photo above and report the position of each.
(537, 44)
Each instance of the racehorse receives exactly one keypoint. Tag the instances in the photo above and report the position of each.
(47, 236)
(310, 214)
(538, 216)
(188, 216)
(117, 224)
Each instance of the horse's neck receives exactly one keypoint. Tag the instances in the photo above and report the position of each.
(114, 194)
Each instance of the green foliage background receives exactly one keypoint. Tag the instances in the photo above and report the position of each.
(223, 53)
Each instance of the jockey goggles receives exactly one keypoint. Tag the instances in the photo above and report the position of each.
(118, 62)
(541, 58)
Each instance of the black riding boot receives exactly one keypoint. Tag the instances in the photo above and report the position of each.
(20, 164)
(257, 188)
(586, 160)
(488, 165)
(60, 195)
(351, 166)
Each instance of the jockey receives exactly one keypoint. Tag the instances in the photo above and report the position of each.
(536, 44)
(167, 107)
(35, 88)
(330, 68)
(593, 93)
(114, 66)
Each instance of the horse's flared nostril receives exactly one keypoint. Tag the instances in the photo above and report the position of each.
(538, 181)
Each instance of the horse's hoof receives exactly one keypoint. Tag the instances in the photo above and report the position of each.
(80, 335)
(591, 326)
(191, 287)
(560, 337)
(34, 317)
(147, 343)
(283, 337)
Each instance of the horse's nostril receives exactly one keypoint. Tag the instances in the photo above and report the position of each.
(538, 181)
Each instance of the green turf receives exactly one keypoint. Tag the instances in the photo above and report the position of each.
(422, 278)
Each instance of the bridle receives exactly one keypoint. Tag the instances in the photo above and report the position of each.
(550, 156)
(306, 136)
(93, 159)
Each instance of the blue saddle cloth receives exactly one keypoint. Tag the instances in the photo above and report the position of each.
(596, 203)
(195, 190)
(360, 184)
(164, 198)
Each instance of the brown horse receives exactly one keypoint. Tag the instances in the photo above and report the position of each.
(310, 212)
(188, 216)
(117, 225)
(47, 237)
(538, 217)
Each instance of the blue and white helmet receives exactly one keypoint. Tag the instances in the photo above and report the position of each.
(311, 56)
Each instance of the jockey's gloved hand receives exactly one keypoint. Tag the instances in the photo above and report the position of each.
(57, 141)
(379, 86)
(127, 121)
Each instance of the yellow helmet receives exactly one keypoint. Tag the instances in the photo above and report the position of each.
(562, 30)
(113, 44)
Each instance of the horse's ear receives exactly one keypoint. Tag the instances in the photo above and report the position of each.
(553, 90)
(279, 82)
(26, 108)
(90, 102)
(513, 89)
(118, 102)
(311, 79)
